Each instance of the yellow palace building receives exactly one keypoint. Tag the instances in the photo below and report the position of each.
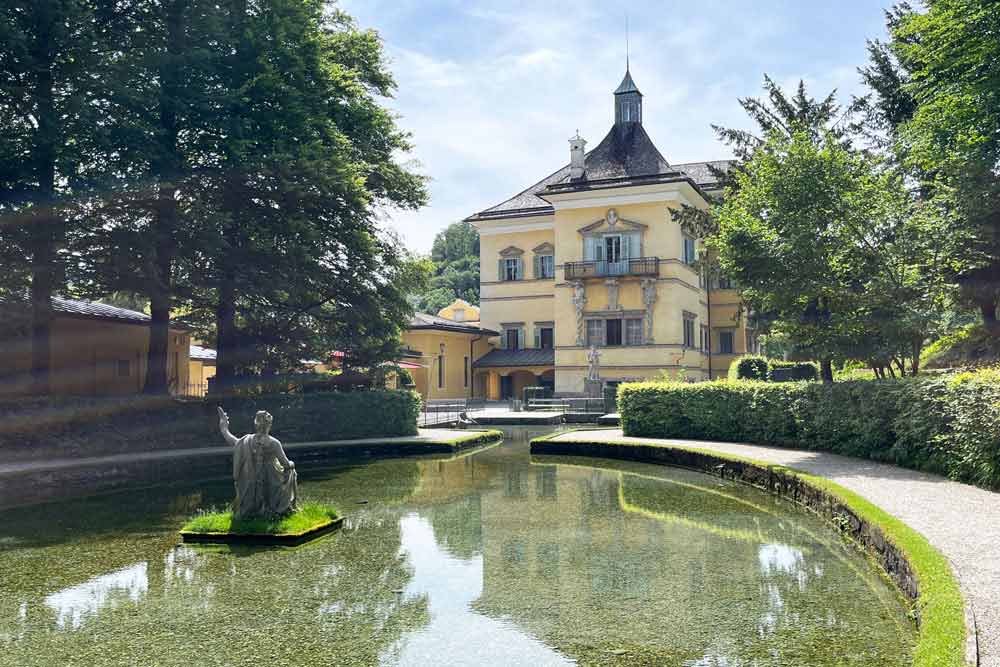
(590, 256)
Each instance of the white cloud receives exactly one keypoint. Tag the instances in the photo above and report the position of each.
(491, 95)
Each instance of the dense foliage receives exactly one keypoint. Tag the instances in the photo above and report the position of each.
(830, 249)
(309, 417)
(756, 367)
(222, 161)
(948, 424)
(455, 261)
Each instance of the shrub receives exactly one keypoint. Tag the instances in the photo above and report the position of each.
(51, 427)
(330, 415)
(404, 378)
(756, 367)
(791, 371)
(948, 424)
(749, 367)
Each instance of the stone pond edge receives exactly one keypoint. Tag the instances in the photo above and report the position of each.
(946, 635)
(277, 539)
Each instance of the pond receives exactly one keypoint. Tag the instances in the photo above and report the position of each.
(493, 558)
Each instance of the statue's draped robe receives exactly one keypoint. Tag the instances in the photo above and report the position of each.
(265, 485)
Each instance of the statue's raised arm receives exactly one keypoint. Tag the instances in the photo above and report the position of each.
(224, 427)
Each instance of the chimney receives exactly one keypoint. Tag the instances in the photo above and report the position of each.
(577, 152)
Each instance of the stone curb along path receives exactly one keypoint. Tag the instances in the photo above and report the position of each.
(960, 521)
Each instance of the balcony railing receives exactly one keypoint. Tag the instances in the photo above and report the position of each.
(636, 266)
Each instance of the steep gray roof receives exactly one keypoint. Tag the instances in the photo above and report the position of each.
(626, 151)
(497, 358)
(98, 310)
(527, 202)
(425, 321)
(627, 85)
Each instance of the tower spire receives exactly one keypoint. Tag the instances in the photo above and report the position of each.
(626, 43)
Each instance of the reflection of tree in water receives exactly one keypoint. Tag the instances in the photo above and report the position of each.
(620, 569)
(125, 595)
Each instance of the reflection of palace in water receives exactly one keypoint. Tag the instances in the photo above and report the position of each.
(681, 568)
(483, 555)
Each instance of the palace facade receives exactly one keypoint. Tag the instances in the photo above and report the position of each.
(591, 256)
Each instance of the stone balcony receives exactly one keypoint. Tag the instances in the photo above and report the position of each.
(636, 266)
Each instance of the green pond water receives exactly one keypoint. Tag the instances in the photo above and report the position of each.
(493, 558)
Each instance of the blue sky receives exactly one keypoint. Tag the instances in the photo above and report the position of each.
(492, 91)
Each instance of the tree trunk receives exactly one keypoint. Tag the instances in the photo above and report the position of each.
(159, 343)
(45, 224)
(988, 308)
(826, 371)
(226, 338)
(918, 345)
(166, 168)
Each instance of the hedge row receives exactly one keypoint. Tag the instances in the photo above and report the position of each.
(52, 427)
(330, 415)
(947, 424)
(756, 367)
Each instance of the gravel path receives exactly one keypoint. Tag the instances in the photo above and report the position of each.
(961, 521)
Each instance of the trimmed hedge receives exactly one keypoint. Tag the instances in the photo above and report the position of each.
(53, 427)
(748, 367)
(947, 424)
(330, 415)
(756, 367)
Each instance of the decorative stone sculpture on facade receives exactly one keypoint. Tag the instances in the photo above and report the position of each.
(580, 304)
(649, 300)
(266, 481)
(593, 364)
(612, 285)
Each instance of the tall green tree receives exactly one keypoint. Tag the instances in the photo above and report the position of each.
(306, 154)
(455, 258)
(950, 56)
(50, 90)
(832, 249)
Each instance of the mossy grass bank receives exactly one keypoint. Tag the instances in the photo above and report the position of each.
(312, 520)
(921, 571)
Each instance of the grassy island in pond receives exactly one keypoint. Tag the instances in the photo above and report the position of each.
(312, 520)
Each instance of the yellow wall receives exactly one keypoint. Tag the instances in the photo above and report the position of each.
(456, 349)
(528, 301)
(199, 373)
(86, 354)
(678, 290)
(469, 312)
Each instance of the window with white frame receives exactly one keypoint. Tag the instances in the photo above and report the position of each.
(726, 342)
(595, 333)
(689, 319)
(512, 338)
(545, 266)
(510, 268)
(633, 331)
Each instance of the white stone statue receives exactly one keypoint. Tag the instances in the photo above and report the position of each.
(649, 300)
(579, 304)
(594, 364)
(266, 482)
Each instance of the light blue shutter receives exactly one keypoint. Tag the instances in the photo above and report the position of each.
(589, 254)
(501, 274)
(538, 338)
(537, 265)
(520, 269)
(635, 244)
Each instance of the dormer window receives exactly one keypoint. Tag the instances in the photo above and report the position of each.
(458, 314)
